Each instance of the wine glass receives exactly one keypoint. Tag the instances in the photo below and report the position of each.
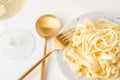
(16, 44)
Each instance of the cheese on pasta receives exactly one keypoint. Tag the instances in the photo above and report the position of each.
(95, 49)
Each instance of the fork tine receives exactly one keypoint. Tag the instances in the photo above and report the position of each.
(64, 33)
(68, 34)
(65, 37)
(68, 31)
(68, 38)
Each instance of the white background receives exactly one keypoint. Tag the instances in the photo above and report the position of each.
(65, 10)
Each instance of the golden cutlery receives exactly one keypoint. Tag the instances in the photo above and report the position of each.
(60, 42)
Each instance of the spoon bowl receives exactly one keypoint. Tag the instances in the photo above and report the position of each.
(47, 26)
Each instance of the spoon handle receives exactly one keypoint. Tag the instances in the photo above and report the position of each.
(42, 73)
(34, 66)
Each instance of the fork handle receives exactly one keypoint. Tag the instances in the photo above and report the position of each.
(34, 66)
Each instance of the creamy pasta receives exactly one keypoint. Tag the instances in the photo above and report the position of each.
(95, 49)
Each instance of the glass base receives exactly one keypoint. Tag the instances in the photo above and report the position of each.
(16, 45)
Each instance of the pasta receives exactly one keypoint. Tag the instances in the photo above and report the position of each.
(95, 49)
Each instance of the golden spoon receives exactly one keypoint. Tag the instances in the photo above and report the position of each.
(47, 26)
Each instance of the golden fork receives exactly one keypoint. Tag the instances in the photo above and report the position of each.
(60, 42)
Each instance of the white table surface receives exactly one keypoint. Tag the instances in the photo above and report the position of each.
(65, 10)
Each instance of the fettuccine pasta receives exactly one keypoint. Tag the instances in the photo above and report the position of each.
(95, 49)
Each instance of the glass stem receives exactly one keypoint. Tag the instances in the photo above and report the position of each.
(13, 41)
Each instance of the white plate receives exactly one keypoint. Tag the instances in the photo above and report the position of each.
(63, 64)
